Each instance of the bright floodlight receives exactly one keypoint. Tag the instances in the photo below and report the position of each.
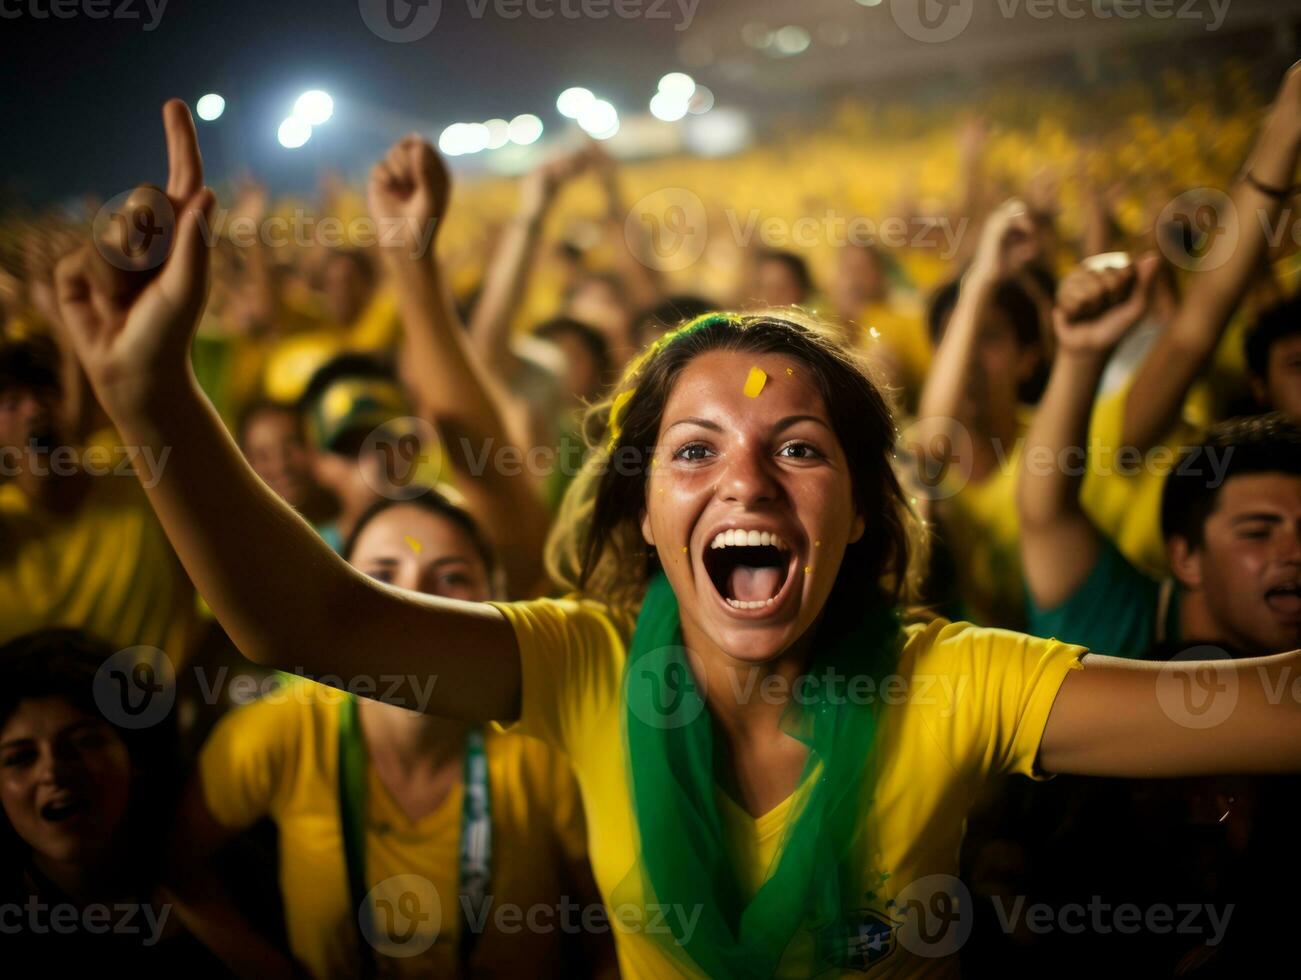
(678, 85)
(525, 129)
(294, 132)
(792, 40)
(573, 101)
(315, 106)
(598, 118)
(498, 133)
(210, 107)
(701, 102)
(669, 108)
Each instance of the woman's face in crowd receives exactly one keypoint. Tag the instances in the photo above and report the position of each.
(65, 779)
(1249, 564)
(276, 451)
(777, 285)
(413, 548)
(1000, 366)
(749, 503)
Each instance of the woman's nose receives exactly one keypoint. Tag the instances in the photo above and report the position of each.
(747, 478)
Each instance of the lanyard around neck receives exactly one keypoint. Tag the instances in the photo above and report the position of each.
(476, 829)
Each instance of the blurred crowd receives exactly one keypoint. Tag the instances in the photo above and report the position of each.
(1136, 491)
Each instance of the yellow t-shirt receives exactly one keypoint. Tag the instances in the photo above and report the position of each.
(106, 568)
(278, 758)
(972, 706)
(981, 526)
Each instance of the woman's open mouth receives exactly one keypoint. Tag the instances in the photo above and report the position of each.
(1285, 600)
(749, 569)
(65, 809)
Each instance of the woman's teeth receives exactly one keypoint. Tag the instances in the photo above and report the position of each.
(757, 604)
(734, 538)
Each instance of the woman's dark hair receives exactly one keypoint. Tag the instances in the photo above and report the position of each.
(437, 503)
(63, 663)
(600, 547)
(1281, 320)
(32, 364)
(597, 348)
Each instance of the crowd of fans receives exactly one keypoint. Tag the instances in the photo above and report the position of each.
(1090, 348)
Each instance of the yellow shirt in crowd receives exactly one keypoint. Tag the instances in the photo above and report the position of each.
(970, 705)
(106, 568)
(278, 758)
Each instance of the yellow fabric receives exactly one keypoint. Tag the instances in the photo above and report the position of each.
(976, 707)
(292, 359)
(981, 527)
(106, 568)
(1126, 505)
(902, 328)
(278, 758)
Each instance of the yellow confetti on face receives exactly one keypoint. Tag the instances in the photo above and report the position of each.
(684, 549)
(817, 544)
(790, 372)
(754, 382)
(413, 544)
(808, 569)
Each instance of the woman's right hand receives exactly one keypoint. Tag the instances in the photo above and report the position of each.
(130, 298)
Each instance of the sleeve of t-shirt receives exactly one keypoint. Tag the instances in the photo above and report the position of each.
(571, 659)
(1111, 612)
(246, 763)
(985, 695)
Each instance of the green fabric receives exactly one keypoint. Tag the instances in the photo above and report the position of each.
(683, 862)
(1113, 611)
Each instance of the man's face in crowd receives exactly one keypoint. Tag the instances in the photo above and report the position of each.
(275, 449)
(26, 415)
(1248, 568)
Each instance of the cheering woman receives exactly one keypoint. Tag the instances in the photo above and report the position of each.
(775, 771)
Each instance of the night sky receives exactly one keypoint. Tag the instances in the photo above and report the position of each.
(80, 109)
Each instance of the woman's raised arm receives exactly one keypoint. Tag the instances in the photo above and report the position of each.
(1182, 718)
(283, 596)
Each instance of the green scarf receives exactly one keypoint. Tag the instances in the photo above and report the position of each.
(684, 860)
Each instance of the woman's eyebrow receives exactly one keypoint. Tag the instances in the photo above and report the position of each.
(451, 560)
(790, 420)
(703, 423)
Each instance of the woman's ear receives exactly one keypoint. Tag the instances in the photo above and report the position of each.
(857, 529)
(647, 534)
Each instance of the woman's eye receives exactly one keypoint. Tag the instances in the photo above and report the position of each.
(693, 452)
(17, 758)
(799, 450)
(456, 580)
(382, 575)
